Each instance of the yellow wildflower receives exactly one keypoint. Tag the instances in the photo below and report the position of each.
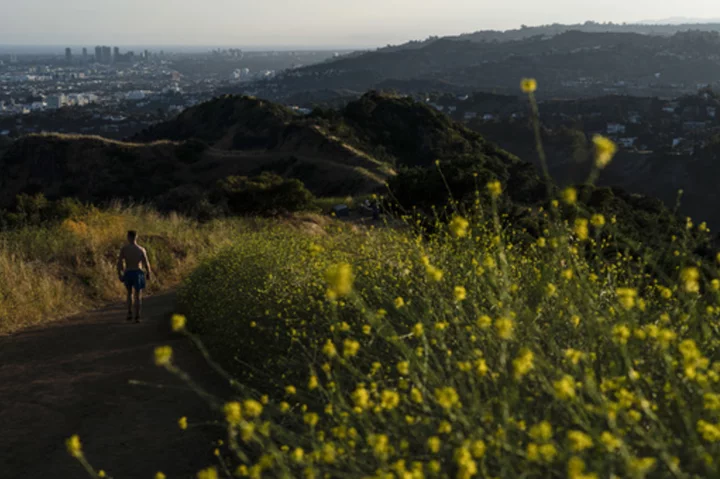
(403, 368)
(569, 195)
(579, 441)
(178, 322)
(565, 388)
(182, 423)
(467, 467)
(252, 408)
(350, 348)
(74, 446)
(690, 279)
(597, 220)
(380, 445)
(434, 444)
(494, 188)
(541, 431)
(329, 349)
(311, 419)
(610, 442)
(626, 296)
(605, 150)
(399, 302)
(528, 85)
(581, 229)
(459, 227)
(340, 279)
(447, 397)
(209, 473)
(460, 293)
(522, 364)
(389, 399)
(233, 412)
(504, 328)
(160, 475)
(163, 355)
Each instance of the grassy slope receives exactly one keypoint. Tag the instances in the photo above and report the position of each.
(54, 271)
(558, 358)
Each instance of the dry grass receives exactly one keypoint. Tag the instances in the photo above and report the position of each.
(52, 272)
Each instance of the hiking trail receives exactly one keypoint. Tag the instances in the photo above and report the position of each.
(73, 377)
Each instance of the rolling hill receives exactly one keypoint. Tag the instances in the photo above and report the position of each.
(566, 64)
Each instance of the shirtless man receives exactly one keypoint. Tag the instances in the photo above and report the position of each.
(133, 259)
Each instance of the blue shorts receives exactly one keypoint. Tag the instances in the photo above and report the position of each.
(134, 280)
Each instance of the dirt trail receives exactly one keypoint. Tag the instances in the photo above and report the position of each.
(72, 377)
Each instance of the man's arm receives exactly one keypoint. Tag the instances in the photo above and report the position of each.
(146, 264)
(121, 264)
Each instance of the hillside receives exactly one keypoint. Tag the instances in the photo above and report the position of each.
(334, 152)
(569, 63)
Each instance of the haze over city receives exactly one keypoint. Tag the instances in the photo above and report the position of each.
(312, 23)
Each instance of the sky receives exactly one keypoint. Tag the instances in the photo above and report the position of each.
(308, 23)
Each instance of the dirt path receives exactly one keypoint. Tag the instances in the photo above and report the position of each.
(72, 377)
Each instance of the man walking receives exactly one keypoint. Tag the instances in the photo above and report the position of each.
(133, 259)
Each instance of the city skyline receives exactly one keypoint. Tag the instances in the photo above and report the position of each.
(310, 24)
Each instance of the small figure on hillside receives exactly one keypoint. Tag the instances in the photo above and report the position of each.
(133, 268)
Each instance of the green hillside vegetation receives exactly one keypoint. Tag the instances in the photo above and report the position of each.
(468, 350)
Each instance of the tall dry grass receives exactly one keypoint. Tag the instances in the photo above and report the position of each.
(54, 271)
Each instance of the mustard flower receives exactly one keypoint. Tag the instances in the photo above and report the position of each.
(389, 399)
(209, 473)
(494, 188)
(569, 195)
(460, 293)
(447, 397)
(522, 364)
(565, 388)
(252, 408)
(350, 348)
(528, 85)
(504, 328)
(434, 444)
(233, 413)
(579, 441)
(74, 446)
(340, 279)
(605, 150)
(581, 229)
(690, 280)
(163, 355)
(459, 227)
(178, 322)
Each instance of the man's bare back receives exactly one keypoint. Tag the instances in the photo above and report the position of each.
(135, 257)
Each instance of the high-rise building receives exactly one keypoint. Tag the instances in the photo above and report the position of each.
(116, 54)
(68, 55)
(106, 55)
(98, 54)
(85, 55)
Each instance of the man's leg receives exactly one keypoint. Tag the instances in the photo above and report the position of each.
(129, 304)
(138, 304)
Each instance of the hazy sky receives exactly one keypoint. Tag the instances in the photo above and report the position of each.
(331, 23)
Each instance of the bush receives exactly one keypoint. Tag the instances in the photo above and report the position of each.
(475, 351)
(267, 193)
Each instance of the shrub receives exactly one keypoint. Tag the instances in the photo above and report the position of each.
(475, 351)
(267, 193)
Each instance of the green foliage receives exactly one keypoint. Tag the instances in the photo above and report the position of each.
(539, 357)
(266, 193)
(36, 210)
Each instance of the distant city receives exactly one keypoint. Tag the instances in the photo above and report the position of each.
(113, 91)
